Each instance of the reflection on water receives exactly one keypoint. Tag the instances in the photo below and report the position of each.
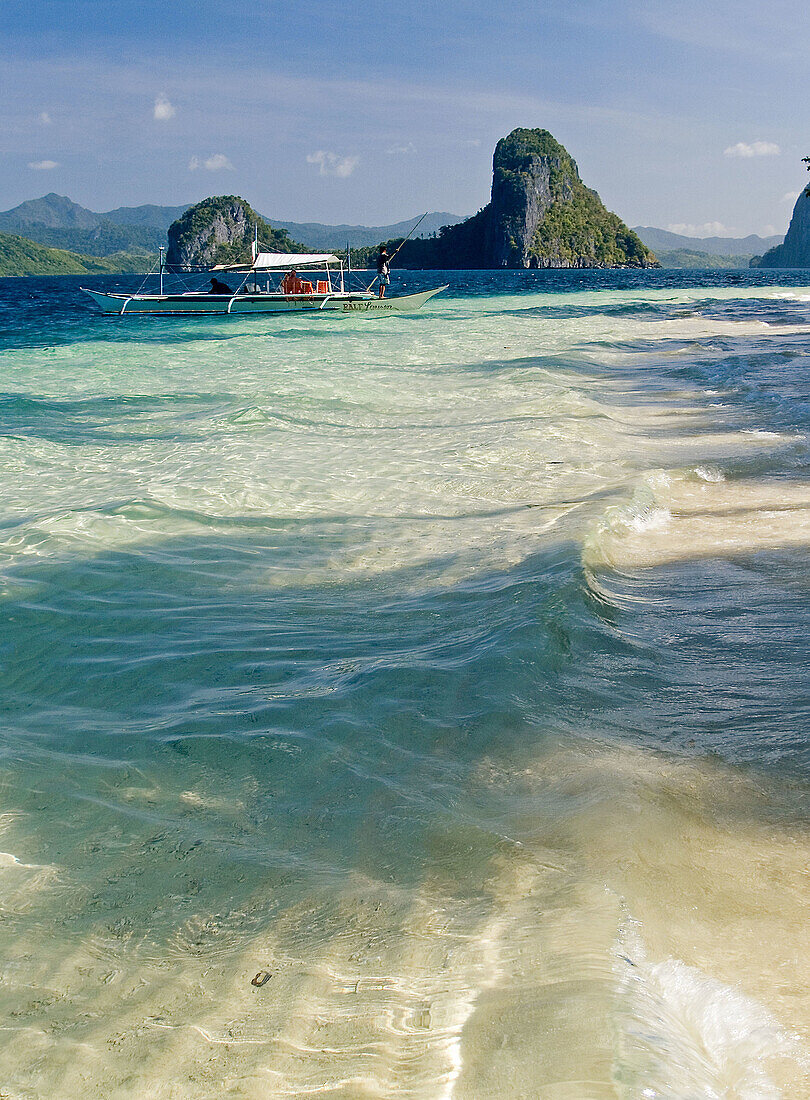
(453, 673)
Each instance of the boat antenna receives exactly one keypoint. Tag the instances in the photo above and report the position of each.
(401, 243)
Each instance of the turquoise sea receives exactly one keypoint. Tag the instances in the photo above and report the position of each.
(452, 669)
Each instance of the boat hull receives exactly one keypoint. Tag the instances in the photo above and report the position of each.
(221, 305)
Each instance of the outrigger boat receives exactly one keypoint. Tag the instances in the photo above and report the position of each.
(270, 284)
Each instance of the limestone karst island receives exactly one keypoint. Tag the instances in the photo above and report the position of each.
(540, 214)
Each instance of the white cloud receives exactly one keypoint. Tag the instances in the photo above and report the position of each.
(163, 109)
(708, 229)
(44, 118)
(395, 149)
(755, 149)
(330, 164)
(215, 163)
(790, 197)
(43, 165)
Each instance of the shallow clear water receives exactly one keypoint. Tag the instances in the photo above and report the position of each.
(451, 668)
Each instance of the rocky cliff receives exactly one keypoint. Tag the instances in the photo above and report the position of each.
(540, 214)
(220, 230)
(795, 251)
(530, 173)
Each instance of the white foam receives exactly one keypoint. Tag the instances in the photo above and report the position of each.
(692, 1035)
(651, 519)
(705, 518)
(710, 473)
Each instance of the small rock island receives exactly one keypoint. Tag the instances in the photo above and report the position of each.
(540, 215)
(220, 230)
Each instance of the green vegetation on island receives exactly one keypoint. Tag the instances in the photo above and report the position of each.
(19, 256)
(103, 240)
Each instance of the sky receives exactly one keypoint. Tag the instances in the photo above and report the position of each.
(683, 115)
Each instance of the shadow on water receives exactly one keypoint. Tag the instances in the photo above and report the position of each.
(321, 728)
(352, 782)
(373, 701)
(77, 422)
(738, 373)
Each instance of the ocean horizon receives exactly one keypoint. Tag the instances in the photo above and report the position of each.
(408, 705)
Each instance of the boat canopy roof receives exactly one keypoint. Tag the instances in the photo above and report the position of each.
(274, 261)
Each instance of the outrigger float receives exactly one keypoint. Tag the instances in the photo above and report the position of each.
(270, 284)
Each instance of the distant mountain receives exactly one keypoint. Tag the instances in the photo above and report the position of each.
(57, 222)
(20, 256)
(661, 240)
(51, 211)
(153, 217)
(104, 240)
(320, 237)
(59, 212)
(689, 258)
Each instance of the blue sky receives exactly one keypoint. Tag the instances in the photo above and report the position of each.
(681, 114)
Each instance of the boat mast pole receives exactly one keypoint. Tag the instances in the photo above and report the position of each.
(161, 270)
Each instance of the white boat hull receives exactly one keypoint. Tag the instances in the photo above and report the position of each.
(239, 304)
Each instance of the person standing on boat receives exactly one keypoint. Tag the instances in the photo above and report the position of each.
(383, 269)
